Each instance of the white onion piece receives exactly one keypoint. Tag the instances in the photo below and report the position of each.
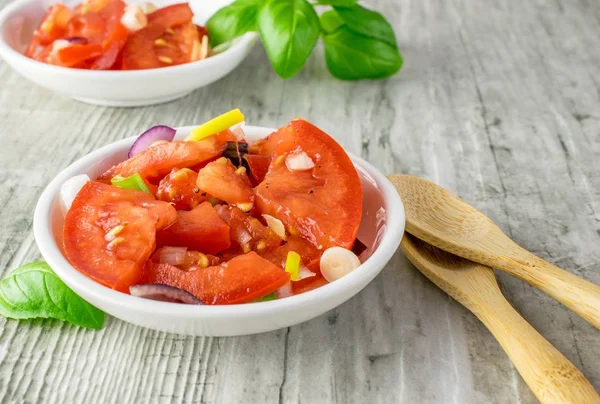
(134, 18)
(149, 8)
(284, 291)
(299, 161)
(172, 255)
(60, 44)
(69, 190)
(238, 130)
(276, 225)
(337, 262)
(305, 273)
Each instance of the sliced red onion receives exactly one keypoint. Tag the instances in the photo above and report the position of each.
(154, 134)
(284, 291)
(77, 40)
(172, 255)
(163, 293)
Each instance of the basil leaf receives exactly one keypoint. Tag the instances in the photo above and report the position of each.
(34, 291)
(232, 21)
(351, 56)
(289, 30)
(367, 22)
(337, 2)
(331, 21)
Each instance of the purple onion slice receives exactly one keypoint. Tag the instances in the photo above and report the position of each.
(163, 293)
(154, 134)
(77, 40)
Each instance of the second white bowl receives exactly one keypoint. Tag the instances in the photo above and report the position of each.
(131, 88)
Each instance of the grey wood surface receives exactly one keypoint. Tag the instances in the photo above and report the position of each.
(498, 101)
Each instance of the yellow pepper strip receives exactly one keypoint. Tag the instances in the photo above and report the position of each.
(216, 125)
(292, 265)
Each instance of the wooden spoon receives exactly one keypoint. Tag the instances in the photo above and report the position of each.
(447, 222)
(551, 377)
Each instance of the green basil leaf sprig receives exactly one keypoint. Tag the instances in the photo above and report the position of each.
(359, 43)
(232, 21)
(34, 291)
(289, 30)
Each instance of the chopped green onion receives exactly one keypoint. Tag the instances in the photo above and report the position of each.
(134, 181)
(292, 265)
(270, 296)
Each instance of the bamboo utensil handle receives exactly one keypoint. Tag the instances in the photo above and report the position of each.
(578, 294)
(551, 377)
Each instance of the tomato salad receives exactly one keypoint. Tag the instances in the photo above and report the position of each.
(113, 35)
(215, 220)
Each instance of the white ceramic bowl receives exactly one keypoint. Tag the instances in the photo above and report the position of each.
(381, 230)
(20, 18)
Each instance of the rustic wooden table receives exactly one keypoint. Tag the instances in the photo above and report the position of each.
(498, 102)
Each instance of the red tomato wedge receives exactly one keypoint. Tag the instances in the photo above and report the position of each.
(179, 188)
(241, 280)
(191, 259)
(52, 27)
(90, 26)
(200, 229)
(222, 180)
(109, 233)
(247, 232)
(323, 204)
(157, 161)
(100, 23)
(308, 253)
(171, 16)
(75, 54)
(259, 165)
(308, 284)
(154, 47)
(115, 37)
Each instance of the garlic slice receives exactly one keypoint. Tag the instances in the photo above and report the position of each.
(299, 161)
(337, 262)
(134, 18)
(276, 225)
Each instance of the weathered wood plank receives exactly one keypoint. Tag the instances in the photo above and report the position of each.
(498, 102)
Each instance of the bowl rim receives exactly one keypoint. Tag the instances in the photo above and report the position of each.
(79, 282)
(6, 51)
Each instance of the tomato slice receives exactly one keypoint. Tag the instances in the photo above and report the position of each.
(109, 232)
(309, 254)
(171, 16)
(259, 165)
(241, 280)
(222, 180)
(247, 232)
(115, 36)
(157, 161)
(308, 284)
(75, 54)
(324, 204)
(153, 46)
(192, 259)
(90, 26)
(52, 27)
(179, 188)
(200, 229)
